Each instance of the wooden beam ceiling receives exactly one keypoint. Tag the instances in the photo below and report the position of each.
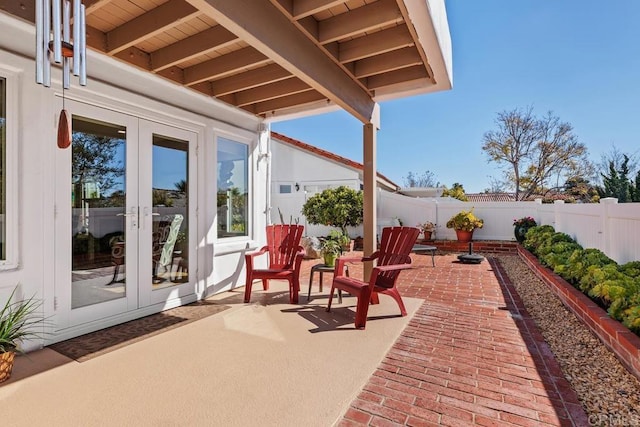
(262, 55)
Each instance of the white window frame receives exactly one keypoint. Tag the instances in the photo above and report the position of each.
(11, 173)
(250, 146)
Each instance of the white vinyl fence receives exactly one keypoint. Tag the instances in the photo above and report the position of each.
(611, 227)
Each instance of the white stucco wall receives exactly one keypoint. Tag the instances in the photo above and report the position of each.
(291, 165)
(121, 88)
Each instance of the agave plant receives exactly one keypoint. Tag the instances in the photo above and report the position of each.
(18, 320)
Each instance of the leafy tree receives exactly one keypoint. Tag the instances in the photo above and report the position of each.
(181, 186)
(94, 160)
(427, 179)
(456, 192)
(616, 182)
(534, 150)
(581, 190)
(335, 207)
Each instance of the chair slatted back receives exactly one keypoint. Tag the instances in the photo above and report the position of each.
(283, 241)
(395, 247)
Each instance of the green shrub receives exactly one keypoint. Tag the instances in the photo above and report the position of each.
(581, 260)
(631, 318)
(535, 236)
(558, 258)
(606, 284)
(547, 245)
(632, 268)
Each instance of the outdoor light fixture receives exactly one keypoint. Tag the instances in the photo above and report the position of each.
(297, 187)
(53, 39)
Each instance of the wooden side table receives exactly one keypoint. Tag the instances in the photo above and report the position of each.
(321, 269)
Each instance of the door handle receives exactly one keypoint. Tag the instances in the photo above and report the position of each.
(145, 214)
(133, 215)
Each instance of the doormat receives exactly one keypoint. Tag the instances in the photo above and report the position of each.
(88, 346)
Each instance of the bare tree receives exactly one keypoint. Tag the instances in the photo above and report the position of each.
(535, 150)
(427, 179)
(496, 185)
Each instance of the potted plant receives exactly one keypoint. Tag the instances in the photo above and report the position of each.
(428, 229)
(330, 251)
(17, 322)
(521, 226)
(464, 223)
(343, 239)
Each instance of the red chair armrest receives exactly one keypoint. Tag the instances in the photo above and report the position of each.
(248, 257)
(393, 267)
(261, 251)
(382, 268)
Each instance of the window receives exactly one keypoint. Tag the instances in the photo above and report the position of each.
(285, 189)
(233, 188)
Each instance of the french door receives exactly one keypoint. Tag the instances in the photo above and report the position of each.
(123, 232)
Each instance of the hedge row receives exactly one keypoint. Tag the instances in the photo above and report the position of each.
(616, 288)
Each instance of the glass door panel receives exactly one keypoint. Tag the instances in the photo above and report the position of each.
(98, 214)
(170, 200)
(96, 221)
(166, 188)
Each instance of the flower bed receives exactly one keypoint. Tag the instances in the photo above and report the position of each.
(619, 339)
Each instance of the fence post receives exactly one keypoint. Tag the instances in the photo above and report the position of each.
(557, 224)
(538, 203)
(604, 217)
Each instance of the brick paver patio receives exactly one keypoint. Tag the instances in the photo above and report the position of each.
(470, 356)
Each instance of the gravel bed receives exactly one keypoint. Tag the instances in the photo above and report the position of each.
(607, 391)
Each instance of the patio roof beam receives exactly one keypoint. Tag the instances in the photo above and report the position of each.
(264, 27)
(286, 87)
(296, 100)
(417, 72)
(366, 18)
(223, 65)
(304, 8)
(249, 79)
(149, 24)
(374, 44)
(386, 62)
(204, 42)
(93, 5)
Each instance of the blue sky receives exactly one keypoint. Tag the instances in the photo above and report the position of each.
(578, 59)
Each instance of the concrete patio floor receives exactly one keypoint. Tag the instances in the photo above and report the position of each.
(469, 355)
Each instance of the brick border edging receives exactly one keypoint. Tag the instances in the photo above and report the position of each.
(624, 344)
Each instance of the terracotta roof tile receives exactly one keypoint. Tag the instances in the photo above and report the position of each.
(490, 197)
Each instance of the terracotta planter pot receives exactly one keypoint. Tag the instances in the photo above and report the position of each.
(427, 235)
(6, 365)
(464, 236)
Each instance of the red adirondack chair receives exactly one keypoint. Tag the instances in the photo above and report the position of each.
(392, 257)
(285, 257)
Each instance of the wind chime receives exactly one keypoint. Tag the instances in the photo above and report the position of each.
(53, 40)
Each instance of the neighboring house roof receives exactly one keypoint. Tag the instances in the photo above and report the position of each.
(333, 157)
(491, 197)
(422, 191)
